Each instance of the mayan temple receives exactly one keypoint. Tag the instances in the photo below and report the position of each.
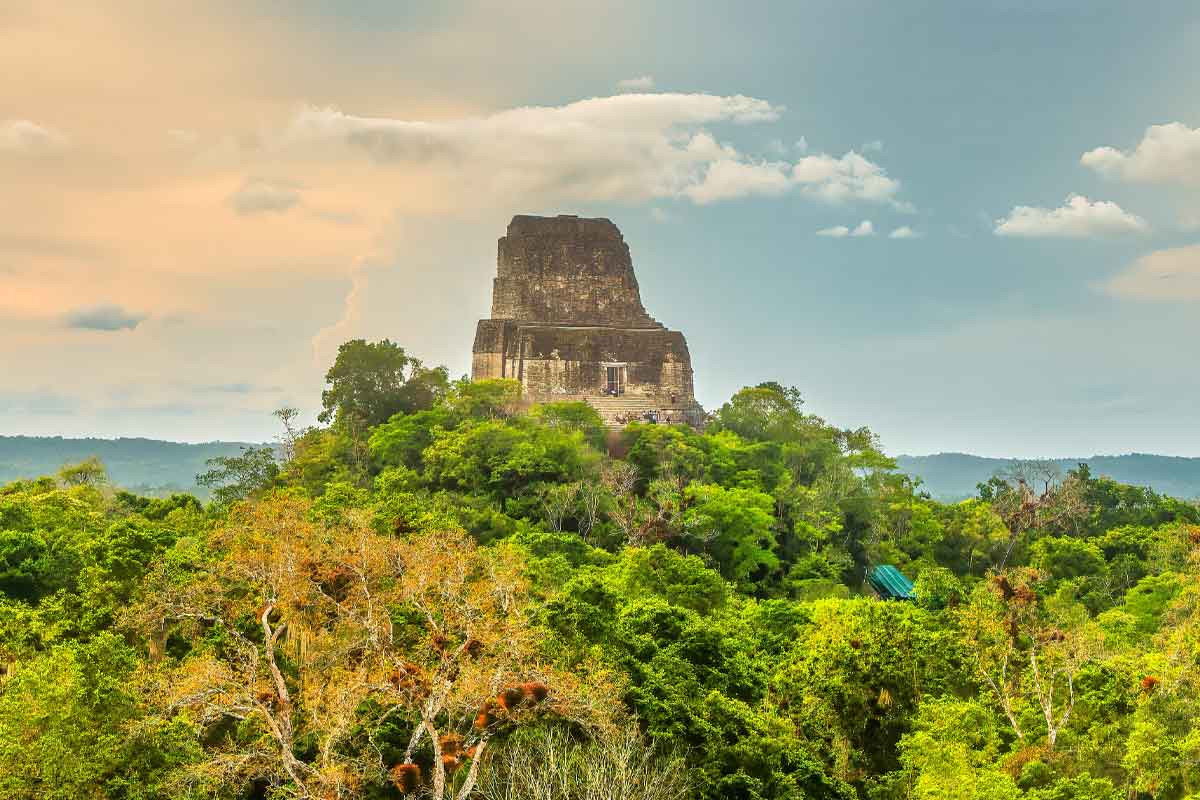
(569, 324)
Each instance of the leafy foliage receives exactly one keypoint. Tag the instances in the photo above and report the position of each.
(371, 381)
(450, 593)
(234, 478)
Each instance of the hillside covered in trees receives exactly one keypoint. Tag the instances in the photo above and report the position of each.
(159, 468)
(148, 466)
(443, 592)
(955, 476)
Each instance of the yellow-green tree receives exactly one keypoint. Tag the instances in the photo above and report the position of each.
(310, 630)
(1028, 650)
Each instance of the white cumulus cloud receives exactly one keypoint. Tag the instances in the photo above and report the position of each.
(730, 177)
(851, 177)
(864, 228)
(628, 147)
(1167, 154)
(1079, 218)
(23, 136)
(1171, 275)
(904, 232)
(642, 83)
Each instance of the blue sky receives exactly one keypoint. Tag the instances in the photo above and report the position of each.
(345, 170)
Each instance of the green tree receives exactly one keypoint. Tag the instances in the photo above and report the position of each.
(505, 458)
(855, 674)
(321, 457)
(402, 440)
(733, 527)
(1029, 650)
(330, 656)
(71, 727)
(494, 398)
(234, 478)
(952, 752)
(975, 537)
(24, 563)
(371, 381)
(1163, 746)
(573, 416)
(765, 412)
(89, 472)
(368, 384)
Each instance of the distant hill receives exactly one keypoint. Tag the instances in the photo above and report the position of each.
(155, 467)
(147, 466)
(953, 476)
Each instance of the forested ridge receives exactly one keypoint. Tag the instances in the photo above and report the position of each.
(160, 468)
(954, 476)
(148, 466)
(442, 591)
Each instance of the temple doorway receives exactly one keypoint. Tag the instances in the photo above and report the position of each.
(614, 379)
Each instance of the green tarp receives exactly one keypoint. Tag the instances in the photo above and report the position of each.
(890, 583)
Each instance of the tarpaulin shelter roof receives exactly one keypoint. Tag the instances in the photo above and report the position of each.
(890, 583)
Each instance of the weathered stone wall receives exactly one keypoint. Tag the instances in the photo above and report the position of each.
(561, 360)
(566, 305)
(567, 270)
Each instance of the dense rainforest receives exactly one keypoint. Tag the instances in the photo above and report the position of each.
(445, 592)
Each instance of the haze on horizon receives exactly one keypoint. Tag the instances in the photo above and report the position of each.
(972, 230)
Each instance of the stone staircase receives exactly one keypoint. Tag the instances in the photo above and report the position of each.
(617, 411)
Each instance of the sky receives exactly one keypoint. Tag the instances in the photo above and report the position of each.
(971, 227)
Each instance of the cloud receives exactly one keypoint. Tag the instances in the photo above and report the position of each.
(1167, 154)
(904, 232)
(104, 318)
(728, 178)
(864, 228)
(325, 340)
(258, 195)
(155, 207)
(642, 83)
(272, 281)
(1171, 275)
(630, 147)
(23, 136)
(851, 177)
(832, 180)
(1080, 218)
